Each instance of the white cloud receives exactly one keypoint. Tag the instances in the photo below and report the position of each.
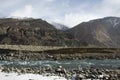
(49, 0)
(24, 12)
(89, 12)
(109, 7)
(73, 19)
(9, 3)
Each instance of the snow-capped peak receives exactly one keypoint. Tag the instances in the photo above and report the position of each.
(60, 26)
(113, 20)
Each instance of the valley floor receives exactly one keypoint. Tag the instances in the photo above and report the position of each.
(20, 52)
(40, 53)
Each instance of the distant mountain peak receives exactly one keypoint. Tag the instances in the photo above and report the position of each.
(60, 26)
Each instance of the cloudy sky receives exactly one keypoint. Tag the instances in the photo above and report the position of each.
(67, 12)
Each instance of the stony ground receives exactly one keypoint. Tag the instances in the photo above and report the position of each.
(74, 74)
(59, 53)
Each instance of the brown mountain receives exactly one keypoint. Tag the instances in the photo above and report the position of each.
(100, 32)
(30, 32)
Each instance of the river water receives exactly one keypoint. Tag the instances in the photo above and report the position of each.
(107, 63)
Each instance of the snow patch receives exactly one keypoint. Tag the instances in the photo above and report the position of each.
(16, 76)
(60, 26)
(114, 22)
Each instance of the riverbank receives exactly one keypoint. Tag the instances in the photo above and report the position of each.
(72, 74)
(60, 54)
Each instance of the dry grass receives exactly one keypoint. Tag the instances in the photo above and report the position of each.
(28, 47)
(29, 52)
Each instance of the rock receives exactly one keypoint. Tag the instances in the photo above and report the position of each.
(31, 79)
(59, 69)
(80, 76)
(101, 76)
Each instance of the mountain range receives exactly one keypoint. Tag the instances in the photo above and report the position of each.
(102, 32)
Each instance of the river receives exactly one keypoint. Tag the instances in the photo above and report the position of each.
(107, 63)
